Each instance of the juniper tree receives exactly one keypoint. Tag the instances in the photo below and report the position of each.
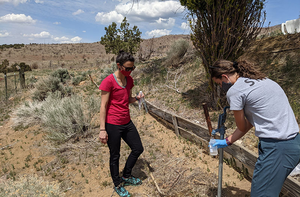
(223, 29)
(125, 38)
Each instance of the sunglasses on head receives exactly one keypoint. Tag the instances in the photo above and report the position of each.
(129, 68)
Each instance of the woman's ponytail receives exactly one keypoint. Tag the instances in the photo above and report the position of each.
(242, 67)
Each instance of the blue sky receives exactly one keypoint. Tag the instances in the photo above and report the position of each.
(74, 21)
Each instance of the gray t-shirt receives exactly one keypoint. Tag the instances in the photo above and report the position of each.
(265, 106)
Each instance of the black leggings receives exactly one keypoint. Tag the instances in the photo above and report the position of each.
(130, 135)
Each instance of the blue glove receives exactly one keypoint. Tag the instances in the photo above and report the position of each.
(220, 143)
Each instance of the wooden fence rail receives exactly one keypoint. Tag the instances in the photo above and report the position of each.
(242, 159)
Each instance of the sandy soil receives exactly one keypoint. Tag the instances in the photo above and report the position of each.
(178, 167)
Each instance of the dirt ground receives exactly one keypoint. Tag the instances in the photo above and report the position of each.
(170, 165)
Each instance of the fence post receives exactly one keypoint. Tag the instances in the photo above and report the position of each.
(22, 78)
(15, 82)
(5, 79)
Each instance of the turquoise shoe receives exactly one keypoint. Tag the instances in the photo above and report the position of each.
(122, 191)
(132, 181)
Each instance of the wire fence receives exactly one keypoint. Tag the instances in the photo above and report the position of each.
(11, 84)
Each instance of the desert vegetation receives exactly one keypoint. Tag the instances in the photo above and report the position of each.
(49, 131)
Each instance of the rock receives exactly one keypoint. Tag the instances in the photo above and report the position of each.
(81, 83)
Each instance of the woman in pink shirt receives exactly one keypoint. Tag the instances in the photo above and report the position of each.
(115, 122)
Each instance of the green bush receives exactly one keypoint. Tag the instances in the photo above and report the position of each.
(34, 66)
(31, 81)
(62, 117)
(30, 186)
(108, 71)
(25, 67)
(62, 74)
(76, 80)
(177, 51)
(80, 77)
(49, 85)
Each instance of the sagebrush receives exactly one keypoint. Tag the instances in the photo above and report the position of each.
(62, 117)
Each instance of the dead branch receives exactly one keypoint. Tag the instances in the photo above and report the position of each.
(159, 191)
(7, 146)
(156, 185)
(284, 50)
(176, 78)
(176, 180)
(176, 90)
(93, 81)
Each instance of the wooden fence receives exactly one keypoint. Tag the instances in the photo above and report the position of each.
(11, 83)
(237, 156)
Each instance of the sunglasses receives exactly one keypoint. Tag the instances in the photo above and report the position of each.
(129, 68)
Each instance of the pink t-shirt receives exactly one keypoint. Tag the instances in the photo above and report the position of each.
(118, 104)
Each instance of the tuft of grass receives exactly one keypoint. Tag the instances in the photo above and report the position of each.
(29, 186)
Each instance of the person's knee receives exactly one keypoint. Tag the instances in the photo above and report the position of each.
(114, 158)
(138, 151)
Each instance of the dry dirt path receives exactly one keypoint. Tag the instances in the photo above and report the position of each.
(179, 167)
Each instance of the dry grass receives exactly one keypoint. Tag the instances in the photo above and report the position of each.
(81, 164)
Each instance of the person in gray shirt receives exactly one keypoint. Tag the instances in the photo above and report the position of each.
(260, 102)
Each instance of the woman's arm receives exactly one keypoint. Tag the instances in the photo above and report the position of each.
(104, 100)
(243, 126)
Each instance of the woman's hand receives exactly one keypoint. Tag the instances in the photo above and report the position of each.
(220, 143)
(139, 96)
(103, 136)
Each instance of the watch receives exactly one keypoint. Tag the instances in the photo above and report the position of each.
(228, 142)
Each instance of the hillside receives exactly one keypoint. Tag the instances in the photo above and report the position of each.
(170, 165)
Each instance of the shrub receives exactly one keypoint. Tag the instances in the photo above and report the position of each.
(63, 118)
(34, 66)
(25, 67)
(62, 74)
(76, 80)
(49, 85)
(108, 71)
(177, 51)
(31, 81)
(81, 77)
(30, 186)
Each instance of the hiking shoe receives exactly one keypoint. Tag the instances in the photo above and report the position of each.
(122, 191)
(132, 181)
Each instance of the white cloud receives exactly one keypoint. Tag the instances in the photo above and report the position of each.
(150, 9)
(78, 12)
(165, 23)
(15, 2)
(39, 1)
(16, 18)
(76, 39)
(107, 18)
(84, 31)
(158, 33)
(57, 23)
(185, 26)
(60, 39)
(6, 34)
(43, 35)
(65, 39)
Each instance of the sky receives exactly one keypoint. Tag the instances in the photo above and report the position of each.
(83, 21)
